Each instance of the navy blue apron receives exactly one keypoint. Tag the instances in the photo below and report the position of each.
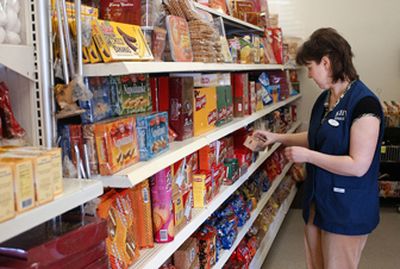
(343, 204)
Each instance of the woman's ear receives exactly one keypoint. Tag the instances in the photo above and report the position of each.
(326, 62)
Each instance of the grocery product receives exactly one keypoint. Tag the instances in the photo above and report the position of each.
(120, 42)
(7, 202)
(240, 86)
(125, 11)
(187, 255)
(202, 188)
(161, 196)
(205, 110)
(90, 142)
(158, 42)
(152, 134)
(116, 144)
(181, 106)
(179, 39)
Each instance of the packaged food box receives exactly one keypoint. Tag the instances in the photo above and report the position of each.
(99, 107)
(41, 173)
(186, 255)
(178, 211)
(252, 97)
(133, 94)
(116, 144)
(276, 38)
(158, 41)
(90, 141)
(229, 103)
(205, 110)
(38, 246)
(241, 7)
(221, 105)
(152, 134)
(73, 134)
(182, 175)
(161, 196)
(208, 156)
(187, 197)
(127, 11)
(7, 201)
(120, 42)
(181, 106)
(202, 189)
(259, 102)
(240, 86)
(141, 204)
(179, 39)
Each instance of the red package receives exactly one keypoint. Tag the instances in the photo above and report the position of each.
(240, 84)
(125, 11)
(9, 126)
(275, 36)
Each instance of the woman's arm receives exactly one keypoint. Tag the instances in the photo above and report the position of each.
(298, 139)
(363, 139)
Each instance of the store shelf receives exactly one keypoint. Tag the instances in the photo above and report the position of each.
(124, 68)
(18, 58)
(269, 238)
(229, 19)
(136, 173)
(155, 257)
(76, 192)
(225, 254)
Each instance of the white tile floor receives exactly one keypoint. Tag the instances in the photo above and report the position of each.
(381, 252)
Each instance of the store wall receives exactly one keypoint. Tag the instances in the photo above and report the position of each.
(372, 29)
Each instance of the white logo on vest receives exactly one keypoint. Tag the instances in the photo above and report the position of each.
(341, 115)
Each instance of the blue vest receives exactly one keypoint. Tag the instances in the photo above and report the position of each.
(344, 204)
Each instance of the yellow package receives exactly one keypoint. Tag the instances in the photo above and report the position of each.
(205, 110)
(22, 171)
(7, 201)
(120, 41)
(42, 173)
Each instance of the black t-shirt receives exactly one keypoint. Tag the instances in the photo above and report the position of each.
(367, 105)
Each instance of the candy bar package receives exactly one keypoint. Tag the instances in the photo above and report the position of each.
(162, 203)
(133, 94)
(46, 245)
(181, 106)
(152, 134)
(125, 11)
(116, 144)
(99, 107)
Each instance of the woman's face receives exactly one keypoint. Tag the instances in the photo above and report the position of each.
(320, 73)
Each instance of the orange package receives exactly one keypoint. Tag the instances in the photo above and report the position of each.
(208, 156)
(205, 110)
(141, 204)
(116, 144)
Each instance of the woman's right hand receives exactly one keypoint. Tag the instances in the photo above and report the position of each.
(266, 137)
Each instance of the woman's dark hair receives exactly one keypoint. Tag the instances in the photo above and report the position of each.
(328, 42)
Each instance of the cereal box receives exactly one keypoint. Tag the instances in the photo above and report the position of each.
(99, 107)
(116, 144)
(120, 42)
(181, 106)
(133, 94)
(152, 133)
(205, 110)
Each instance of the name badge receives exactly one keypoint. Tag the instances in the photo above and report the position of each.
(333, 122)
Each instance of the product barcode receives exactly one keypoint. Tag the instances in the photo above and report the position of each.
(26, 203)
(145, 196)
(164, 235)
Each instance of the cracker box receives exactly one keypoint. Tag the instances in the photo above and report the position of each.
(181, 106)
(133, 94)
(152, 134)
(7, 201)
(208, 156)
(99, 107)
(202, 189)
(42, 176)
(116, 144)
(221, 105)
(240, 84)
(120, 42)
(22, 171)
(205, 110)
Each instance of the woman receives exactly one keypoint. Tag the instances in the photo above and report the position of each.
(341, 149)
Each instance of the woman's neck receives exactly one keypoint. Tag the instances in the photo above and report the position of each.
(338, 88)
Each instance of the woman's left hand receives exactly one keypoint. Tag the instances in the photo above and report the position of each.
(297, 154)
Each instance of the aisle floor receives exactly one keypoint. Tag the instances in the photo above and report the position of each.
(381, 252)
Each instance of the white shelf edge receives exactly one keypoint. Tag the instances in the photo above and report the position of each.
(138, 172)
(76, 192)
(225, 254)
(269, 238)
(228, 18)
(155, 257)
(124, 68)
(18, 58)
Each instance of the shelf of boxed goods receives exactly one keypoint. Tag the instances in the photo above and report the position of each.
(76, 192)
(136, 173)
(155, 257)
(273, 230)
(124, 68)
(229, 19)
(19, 58)
(225, 254)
